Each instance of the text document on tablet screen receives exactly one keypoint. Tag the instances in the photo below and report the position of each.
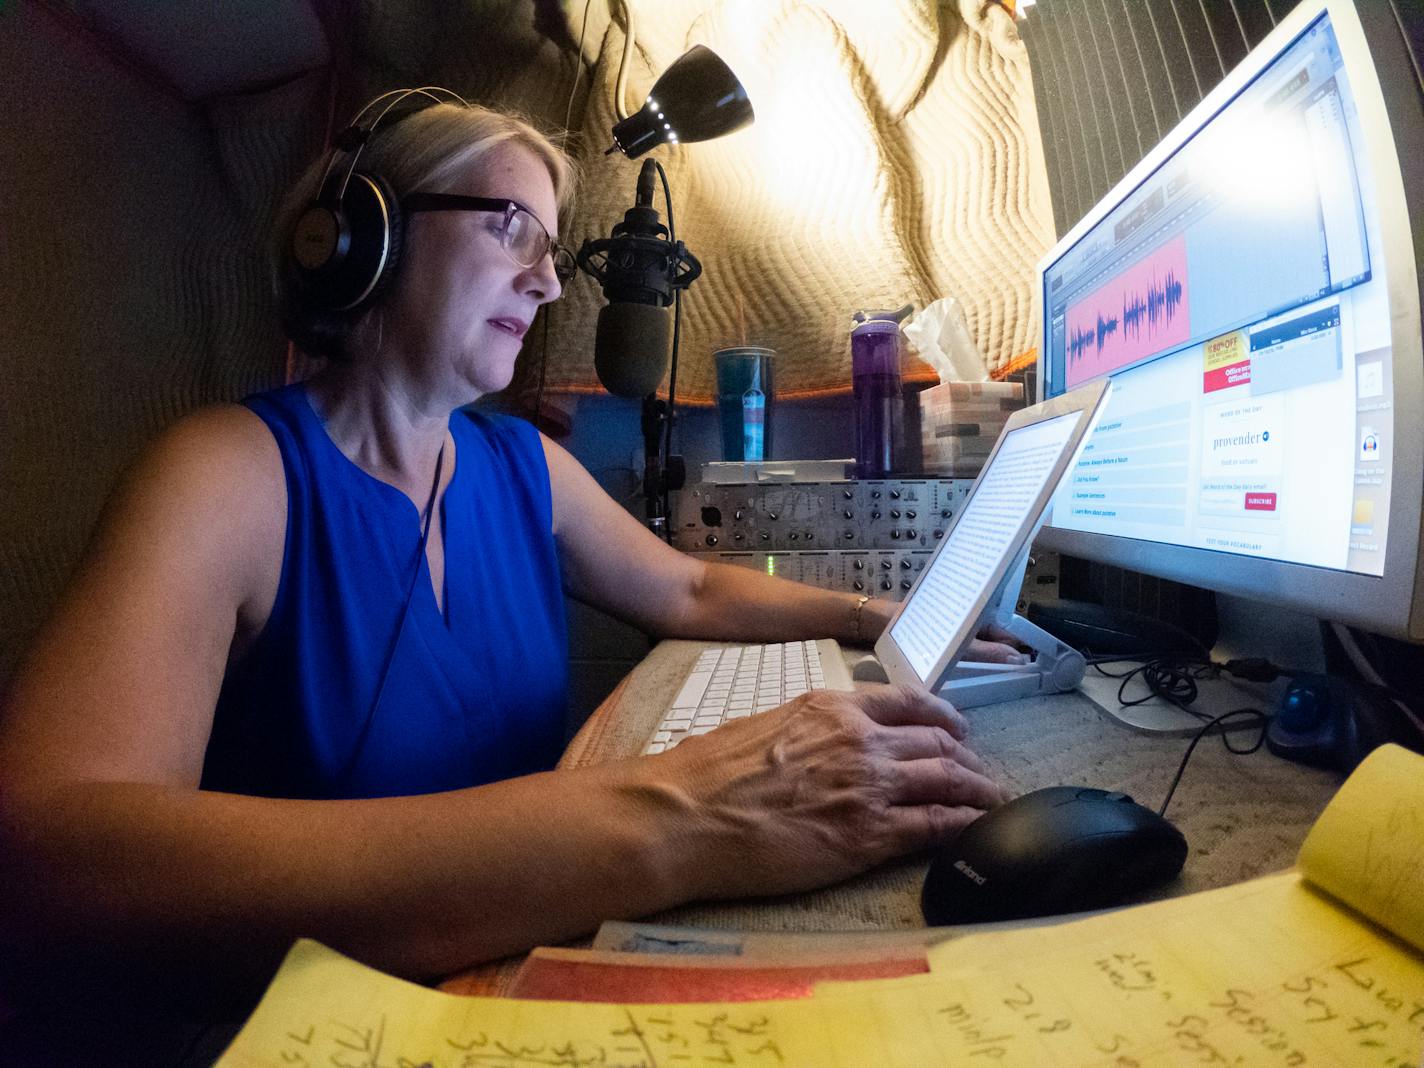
(954, 584)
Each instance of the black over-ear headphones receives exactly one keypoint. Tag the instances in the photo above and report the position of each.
(346, 243)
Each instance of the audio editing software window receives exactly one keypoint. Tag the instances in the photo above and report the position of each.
(1233, 296)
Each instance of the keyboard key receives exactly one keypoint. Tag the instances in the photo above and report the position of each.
(692, 690)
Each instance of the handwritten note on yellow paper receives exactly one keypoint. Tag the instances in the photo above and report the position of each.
(324, 1009)
(1272, 972)
(1268, 973)
(1367, 847)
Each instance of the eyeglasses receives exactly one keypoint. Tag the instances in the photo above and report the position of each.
(522, 236)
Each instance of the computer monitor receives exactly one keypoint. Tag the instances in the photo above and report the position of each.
(1251, 288)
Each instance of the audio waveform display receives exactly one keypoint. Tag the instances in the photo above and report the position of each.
(1144, 310)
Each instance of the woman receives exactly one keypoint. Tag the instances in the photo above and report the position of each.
(256, 713)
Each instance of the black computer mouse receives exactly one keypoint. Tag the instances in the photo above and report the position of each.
(1060, 849)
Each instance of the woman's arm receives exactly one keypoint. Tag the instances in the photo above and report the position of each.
(796, 798)
(105, 836)
(108, 842)
(613, 562)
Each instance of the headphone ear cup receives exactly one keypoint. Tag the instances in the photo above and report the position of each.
(344, 256)
(395, 238)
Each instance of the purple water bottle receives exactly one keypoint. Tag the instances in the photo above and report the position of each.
(875, 354)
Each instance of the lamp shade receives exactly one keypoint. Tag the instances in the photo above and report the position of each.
(696, 99)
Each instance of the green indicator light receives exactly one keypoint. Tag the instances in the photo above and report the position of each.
(771, 565)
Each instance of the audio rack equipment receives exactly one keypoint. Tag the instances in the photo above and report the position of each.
(861, 536)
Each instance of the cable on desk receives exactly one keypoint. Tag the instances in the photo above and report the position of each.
(1264, 721)
(1173, 677)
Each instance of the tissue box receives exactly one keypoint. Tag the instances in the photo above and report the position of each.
(959, 423)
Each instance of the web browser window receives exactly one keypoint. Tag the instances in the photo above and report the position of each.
(1234, 298)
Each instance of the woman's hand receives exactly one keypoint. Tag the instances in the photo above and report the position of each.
(995, 645)
(823, 787)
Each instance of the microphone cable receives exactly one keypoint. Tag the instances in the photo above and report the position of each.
(664, 502)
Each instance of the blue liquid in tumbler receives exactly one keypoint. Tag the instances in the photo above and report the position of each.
(754, 426)
(745, 399)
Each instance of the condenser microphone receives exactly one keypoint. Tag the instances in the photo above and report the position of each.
(638, 268)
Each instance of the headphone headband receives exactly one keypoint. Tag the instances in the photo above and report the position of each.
(354, 138)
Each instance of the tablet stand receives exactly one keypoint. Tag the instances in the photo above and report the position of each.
(1058, 668)
(1055, 667)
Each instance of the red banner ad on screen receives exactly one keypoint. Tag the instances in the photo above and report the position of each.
(1235, 374)
(1260, 502)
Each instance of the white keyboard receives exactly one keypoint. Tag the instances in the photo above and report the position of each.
(742, 680)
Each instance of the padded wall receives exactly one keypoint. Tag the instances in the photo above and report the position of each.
(895, 158)
(132, 281)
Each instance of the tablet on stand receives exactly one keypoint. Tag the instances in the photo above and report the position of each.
(976, 573)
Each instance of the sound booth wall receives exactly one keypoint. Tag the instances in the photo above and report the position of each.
(894, 159)
(134, 280)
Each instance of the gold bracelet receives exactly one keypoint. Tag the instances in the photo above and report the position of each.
(859, 604)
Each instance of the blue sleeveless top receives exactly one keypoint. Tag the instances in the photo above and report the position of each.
(474, 695)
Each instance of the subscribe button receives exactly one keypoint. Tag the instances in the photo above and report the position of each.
(1260, 502)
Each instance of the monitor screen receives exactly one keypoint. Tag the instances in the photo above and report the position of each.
(1238, 287)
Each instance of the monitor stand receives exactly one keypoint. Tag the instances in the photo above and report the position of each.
(1156, 716)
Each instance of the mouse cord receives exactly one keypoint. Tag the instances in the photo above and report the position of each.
(1263, 721)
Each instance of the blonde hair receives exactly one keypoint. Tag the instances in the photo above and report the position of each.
(425, 151)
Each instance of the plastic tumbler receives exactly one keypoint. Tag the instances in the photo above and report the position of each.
(875, 355)
(745, 393)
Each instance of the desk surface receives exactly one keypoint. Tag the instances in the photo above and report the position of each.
(1242, 815)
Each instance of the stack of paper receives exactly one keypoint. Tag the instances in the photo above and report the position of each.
(1317, 967)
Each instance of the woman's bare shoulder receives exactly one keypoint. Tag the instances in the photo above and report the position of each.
(187, 550)
(232, 436)
(212, 480)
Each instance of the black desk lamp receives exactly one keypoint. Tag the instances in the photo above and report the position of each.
(643, 267)
(696, 99)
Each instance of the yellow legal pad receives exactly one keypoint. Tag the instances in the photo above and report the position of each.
(1320, 966)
